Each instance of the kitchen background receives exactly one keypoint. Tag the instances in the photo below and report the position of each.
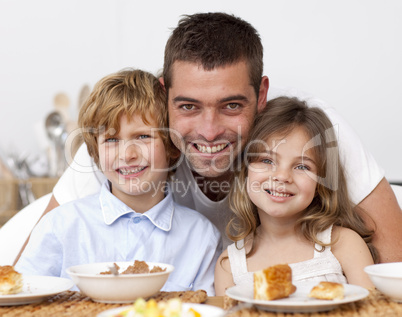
(347, 53)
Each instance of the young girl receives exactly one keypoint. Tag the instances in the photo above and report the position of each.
(291, 205)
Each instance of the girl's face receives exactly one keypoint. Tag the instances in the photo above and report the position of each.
(283, 181)
(134, 161)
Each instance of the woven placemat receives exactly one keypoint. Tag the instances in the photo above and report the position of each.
(375, 305)
(75, 304)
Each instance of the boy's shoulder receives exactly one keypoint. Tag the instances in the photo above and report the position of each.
(86, 204)
(189, 219)
(185, 211)
(190, 215)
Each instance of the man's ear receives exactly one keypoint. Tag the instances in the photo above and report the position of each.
(162, 83)
(262, 95)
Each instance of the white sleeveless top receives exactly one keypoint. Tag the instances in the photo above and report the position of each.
(323, 267)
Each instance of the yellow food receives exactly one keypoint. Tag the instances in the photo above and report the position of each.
(327, 290)
(273, 282)
(151, 308)
(10, 280)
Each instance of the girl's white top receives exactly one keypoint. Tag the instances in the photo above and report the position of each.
(324, 266)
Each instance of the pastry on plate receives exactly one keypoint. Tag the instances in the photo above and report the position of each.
(273, 282)
(327, 290)
(10, 280)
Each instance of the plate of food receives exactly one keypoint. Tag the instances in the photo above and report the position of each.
(172, 307)
(299, 301)
(18, 289)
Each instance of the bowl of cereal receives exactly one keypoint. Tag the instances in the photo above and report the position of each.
(119, 282)
(387, 278)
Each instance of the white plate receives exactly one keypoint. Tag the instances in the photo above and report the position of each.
(298, 302)
(204, 310)
(36, 289)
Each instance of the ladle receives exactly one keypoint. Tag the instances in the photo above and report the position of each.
(56, 131)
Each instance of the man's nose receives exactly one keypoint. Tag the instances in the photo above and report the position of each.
(210, 126)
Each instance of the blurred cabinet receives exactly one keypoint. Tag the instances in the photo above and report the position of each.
(10, 200)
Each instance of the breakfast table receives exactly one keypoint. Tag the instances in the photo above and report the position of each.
(70, 303)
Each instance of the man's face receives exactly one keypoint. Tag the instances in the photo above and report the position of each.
(211, 112)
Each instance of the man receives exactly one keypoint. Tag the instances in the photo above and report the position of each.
(213, 77)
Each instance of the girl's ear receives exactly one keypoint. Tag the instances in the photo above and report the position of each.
(316, 194)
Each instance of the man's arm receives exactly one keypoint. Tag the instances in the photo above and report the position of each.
(52, 204)
(382, 206)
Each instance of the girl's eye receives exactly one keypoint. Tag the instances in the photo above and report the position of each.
(267, 161)
(187, 107)
(144, 136)
(111, 140)
(303, 167)
(232, 106)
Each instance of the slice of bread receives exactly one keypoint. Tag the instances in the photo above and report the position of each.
(10, 280)
(327, 290)
(273, 282)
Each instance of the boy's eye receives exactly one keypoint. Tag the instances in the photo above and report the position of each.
(144, 136)
(111, 140)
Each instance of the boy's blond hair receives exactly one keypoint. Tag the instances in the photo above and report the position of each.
(128, 92)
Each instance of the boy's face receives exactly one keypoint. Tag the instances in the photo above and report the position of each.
(211, 112)
(134, 161)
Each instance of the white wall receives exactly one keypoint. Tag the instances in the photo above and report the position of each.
(345, 52)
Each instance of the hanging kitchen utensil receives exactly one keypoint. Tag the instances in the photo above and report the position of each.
(56, 131)
(82, 97)
(84, 94)
(62, 105)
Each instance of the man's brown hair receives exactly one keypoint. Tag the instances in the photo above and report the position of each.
(214, 40)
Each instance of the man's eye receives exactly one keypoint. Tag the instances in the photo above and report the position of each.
(187, 107)
(233, 106)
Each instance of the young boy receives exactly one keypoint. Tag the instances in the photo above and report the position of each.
(134, 217)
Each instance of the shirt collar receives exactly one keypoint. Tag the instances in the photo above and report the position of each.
(160, 215)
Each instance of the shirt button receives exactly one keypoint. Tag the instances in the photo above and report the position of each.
(136, 219)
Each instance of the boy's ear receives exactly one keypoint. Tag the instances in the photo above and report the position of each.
(173, 155)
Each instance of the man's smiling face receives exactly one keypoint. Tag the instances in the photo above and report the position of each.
(210, 114)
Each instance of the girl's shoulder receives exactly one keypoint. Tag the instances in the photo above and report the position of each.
(345, 239)
(339, 232)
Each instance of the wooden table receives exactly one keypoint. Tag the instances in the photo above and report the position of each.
(74, 304)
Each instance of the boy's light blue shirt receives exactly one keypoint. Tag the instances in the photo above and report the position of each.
(101, 228)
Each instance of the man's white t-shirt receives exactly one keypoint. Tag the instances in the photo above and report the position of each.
(363, 174)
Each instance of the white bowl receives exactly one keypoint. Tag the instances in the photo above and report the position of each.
(387, 278)
(124, 288)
